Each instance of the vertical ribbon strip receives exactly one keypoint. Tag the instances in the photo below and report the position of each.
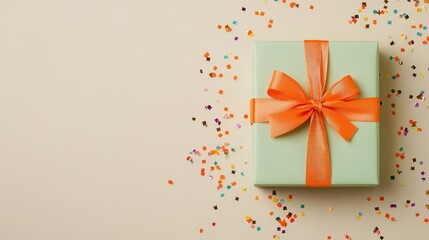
(288, 107)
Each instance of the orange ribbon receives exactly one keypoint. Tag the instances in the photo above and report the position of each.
(289, 107)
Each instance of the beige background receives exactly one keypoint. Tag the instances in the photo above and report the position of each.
(96, 100)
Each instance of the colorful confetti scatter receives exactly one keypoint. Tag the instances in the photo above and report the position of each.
(216, 165)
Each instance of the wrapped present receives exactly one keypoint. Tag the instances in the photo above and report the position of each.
(315, 114)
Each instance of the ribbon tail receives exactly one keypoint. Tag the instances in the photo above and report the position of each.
(318, 169)
(340, 124)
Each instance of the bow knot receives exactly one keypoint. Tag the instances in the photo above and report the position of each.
(317, 105)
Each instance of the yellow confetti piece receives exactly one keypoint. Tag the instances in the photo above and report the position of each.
(243, 189)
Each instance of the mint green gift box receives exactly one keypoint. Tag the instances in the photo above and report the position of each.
(281, 161)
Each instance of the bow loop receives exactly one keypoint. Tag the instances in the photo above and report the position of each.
(345, 89)
(283, 87)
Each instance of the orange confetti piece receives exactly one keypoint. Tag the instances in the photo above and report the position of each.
(220, 75)
(260, 13)
(245, 116)
(219, 26)
(426, 220)
(311, 7)
(222, 177)
(203, 161)
(170, 182)
(233, 183)
(226, 132)
(204, 148)
(203, 172)
(206, 55)
(235, 77)
(220, 92)
(225, 109)
(235, 57)
(231, 115)
(292, 4)
(228, 66)
(282, 223)
(228, 28)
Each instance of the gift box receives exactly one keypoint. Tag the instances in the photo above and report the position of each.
(291, 159)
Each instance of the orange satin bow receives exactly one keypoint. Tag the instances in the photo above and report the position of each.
(289, 107)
